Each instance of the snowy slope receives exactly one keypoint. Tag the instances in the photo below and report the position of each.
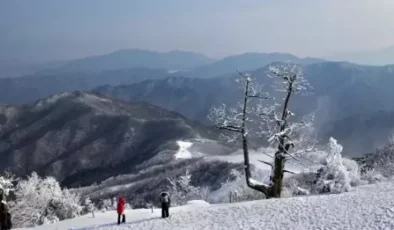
(183, 152)
(262, 154)
(212, 150)
(367, 207)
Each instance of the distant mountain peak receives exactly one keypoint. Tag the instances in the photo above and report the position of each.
(383, 56)
(137, 58)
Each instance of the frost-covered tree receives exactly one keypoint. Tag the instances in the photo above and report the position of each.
(42, 201)
(6, 184)
(379, 164)
(204, 193)
(88, 206)
(114, 203)
(67, 206)
(333, 177)
(235, 121)
(292, 138)
(106, 205)
(181, 190)
(335, 174)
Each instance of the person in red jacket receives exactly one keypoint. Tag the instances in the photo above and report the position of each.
(120, 209)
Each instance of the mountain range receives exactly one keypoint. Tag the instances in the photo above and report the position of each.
(341, 91)
(127, 67)
(30, 88)
(194, 64)
(82, 137)
(247, 62)
(191, 64)
(384, 56)
(136, 58)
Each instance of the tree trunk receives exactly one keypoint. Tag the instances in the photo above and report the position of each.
(248, 175)
(244, 136)
(277, 180)
(279, 164)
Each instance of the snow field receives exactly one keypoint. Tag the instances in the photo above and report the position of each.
(365, 207)
(183, 152)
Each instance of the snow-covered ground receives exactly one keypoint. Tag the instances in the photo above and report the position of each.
(183, 151)
(211, 150)
(263, 154)
(200, 147)
(366, 207)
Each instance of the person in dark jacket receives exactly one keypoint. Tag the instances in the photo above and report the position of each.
(5, 216)
(121, 209)
(165, 204)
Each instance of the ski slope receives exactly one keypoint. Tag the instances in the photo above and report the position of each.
(366, 207)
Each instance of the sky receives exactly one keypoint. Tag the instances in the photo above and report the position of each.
(42, 30)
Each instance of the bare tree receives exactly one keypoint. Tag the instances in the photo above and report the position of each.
(274, 123)
(235, 120)
(290, 80)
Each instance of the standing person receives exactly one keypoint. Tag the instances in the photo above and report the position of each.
(121, 209)
(165, 204)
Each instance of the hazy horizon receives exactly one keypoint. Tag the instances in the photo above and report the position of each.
(44, 30)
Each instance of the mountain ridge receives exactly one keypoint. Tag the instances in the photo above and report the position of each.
(381, 57)
(73, 134)
(341, 90)
(136, 58)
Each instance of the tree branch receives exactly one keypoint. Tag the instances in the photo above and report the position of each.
(267, 163)
(287, 171)
(242, 74)
(260, 97)
(230, 128)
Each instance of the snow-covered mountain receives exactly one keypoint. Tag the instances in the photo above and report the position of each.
(247, 62)
(346, 97)
(81, 138)
(366, 207)
(127, 67)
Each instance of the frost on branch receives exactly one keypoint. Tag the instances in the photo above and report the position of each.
(236, 120)
(287, 74)
(42, 201)
(181, 190)
(6, 184)
(288, 136)
(333, 177)
(381, 161)
(228, 119)
(88, 206)
(256, 183)
(276, 119)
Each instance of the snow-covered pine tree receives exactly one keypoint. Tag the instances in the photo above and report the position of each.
(333, 177)
(88, 206)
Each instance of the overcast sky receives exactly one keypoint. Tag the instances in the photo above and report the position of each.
(65, 29)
